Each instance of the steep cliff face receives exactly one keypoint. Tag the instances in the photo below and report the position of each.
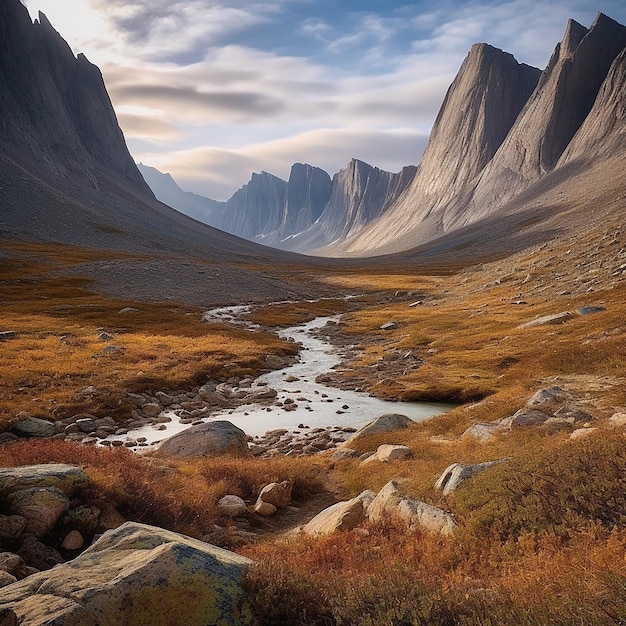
(494, 139)
(478, 111)
(308, 192)
(558, 107)
(54, 108)
(167, 191)
(257, 208)
(603, 133)
(360, 194)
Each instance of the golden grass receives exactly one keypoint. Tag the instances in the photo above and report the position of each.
(57, 350)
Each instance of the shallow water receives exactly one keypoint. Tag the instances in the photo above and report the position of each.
(318, 405)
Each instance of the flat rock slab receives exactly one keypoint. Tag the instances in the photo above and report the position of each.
(136, 574)
(34, 427)
(338, 517)
(67, 478)
(556, 318)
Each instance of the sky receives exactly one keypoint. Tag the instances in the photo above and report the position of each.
(213, 90)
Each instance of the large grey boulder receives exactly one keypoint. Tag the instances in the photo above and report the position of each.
(384, 424)
(29, 426)
(136, 574)
(209, 439)
(415, 513)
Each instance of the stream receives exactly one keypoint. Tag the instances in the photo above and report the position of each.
(316, 404)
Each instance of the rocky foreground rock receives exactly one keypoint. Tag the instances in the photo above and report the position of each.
(136, 574)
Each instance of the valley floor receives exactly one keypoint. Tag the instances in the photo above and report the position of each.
(541, 536)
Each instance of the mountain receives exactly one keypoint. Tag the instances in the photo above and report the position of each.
(167, 191)
(503, 128)
(302, 214)
(66, 177)
(359, 194)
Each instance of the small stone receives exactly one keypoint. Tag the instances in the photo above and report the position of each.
(5, 335)
(128, 309)
(151, 409)
(6, 579)
(73, 541)
(389, 326)
(232, 506)
(264, 508)
(12, 526)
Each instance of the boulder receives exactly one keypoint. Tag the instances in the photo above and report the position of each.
(550, 395)
(338, 517)
(344, 453)
(275, 362)
(209, 439)
(456, 473)
(6, 579)
(483, 431)
(388, 452)
(73, 541)
(67, 478)
(38, 555)
(582, 432)
(415, 513)
(12, 526)
(278, 494)
(590, 310)
(29, 426)
(524, 417)
(10, 563)
(232, 506)
(557, 318)
(42, 508)
(384, 424)
(264, 508)
(618, 419)
(137, 574)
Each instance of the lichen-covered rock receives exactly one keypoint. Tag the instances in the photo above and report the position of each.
(136, 574)
(34, 427)
(67, 478)
(524, 417)
(388, 452)
(209, 439)
(12, 526)
(338, 517)
(42, 508)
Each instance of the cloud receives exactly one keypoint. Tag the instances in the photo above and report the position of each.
(147, 127)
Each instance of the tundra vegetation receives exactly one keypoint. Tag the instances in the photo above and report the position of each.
(541, 537)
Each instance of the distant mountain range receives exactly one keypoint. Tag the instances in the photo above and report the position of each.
(304, 214)
(505, 131)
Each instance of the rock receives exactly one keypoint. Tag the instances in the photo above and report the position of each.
(29, 426)
(456, 473)
(164, 398)
(582, 432)
(557, 318)
(383, 424)
(12, 526)
(67, 478)
(104, 336)
(275, 362)
(232, 506)
(8, 617)
(6, 579)
(483, 431)
(414, 513)
(367, 497)
(264, 508)
(344, 453)
(137, 574)
(338, 517)
(389, 326)
(109, 517)
(590, 310)
(73, 541)
(388, 452)
(38, 555)
(210, 439)
(524, 417)
(278, 494)
(572, 416)
(42, 508)
(549, 395)
(5, 335)
(618, 419)
(128, 309)
(151, 409)
(10, 562)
